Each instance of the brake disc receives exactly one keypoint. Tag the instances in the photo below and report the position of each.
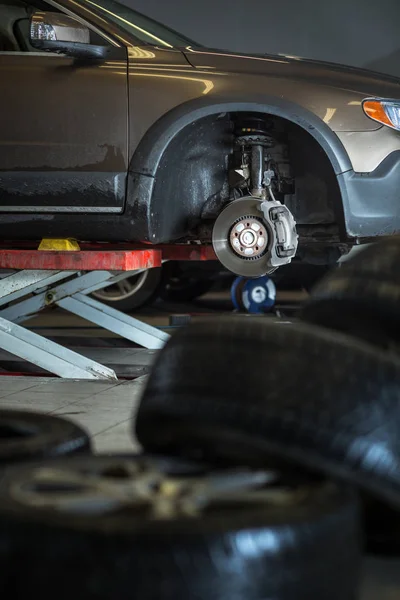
(253, 237)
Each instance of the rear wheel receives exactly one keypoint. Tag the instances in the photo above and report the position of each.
(183, 284)
(132, 293)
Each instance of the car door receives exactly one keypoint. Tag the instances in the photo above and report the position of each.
(63, 124)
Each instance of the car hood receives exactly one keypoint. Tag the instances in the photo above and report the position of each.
(325, 73)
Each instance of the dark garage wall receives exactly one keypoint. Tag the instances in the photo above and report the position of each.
(357, 32)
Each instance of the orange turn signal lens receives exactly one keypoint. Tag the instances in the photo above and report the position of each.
(383, 111)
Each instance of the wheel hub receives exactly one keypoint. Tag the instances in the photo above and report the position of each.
(248, 238)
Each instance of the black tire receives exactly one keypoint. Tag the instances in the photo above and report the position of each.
(306, 548)
(181, 285)
(248, 390)
(146, 293)
(382, 527)
(31, 436)
(299, 275)
(362, 297)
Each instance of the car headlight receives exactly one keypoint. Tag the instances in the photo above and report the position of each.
(386, 112)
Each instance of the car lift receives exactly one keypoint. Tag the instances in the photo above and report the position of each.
(32, 280)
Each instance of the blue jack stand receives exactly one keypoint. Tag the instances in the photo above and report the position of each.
(255, 296)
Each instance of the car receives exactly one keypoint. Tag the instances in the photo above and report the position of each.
(174, 282)
(115, 128)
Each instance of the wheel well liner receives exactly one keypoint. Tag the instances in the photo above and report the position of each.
(154, 144)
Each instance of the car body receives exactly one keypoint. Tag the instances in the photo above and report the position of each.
(136, 146)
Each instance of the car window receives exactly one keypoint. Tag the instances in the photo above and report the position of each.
(143, 28)
(14, 25)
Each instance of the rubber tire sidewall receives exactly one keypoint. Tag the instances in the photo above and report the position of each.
(231, 374)
(56, 437)
(310, 551)
(143, 297)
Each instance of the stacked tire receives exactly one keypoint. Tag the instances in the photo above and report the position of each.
(157, 529)
(320, 395)
(261, 438)
(26, 436)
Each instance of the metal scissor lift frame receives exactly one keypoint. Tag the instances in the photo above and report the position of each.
(65, 279)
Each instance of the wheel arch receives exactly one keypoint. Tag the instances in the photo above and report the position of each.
(155, 142)
(150, 219)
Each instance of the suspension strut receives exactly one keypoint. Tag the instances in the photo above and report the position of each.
(253, 139)
(255, 234)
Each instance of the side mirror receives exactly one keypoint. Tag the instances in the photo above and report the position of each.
(56, 32)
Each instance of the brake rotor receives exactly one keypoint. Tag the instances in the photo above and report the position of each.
(242, 239)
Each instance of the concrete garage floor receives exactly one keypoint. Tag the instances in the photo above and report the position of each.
(106, 409)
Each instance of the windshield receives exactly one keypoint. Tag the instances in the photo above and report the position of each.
(143, 28)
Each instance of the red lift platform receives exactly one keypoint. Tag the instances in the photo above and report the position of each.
(32, 280)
